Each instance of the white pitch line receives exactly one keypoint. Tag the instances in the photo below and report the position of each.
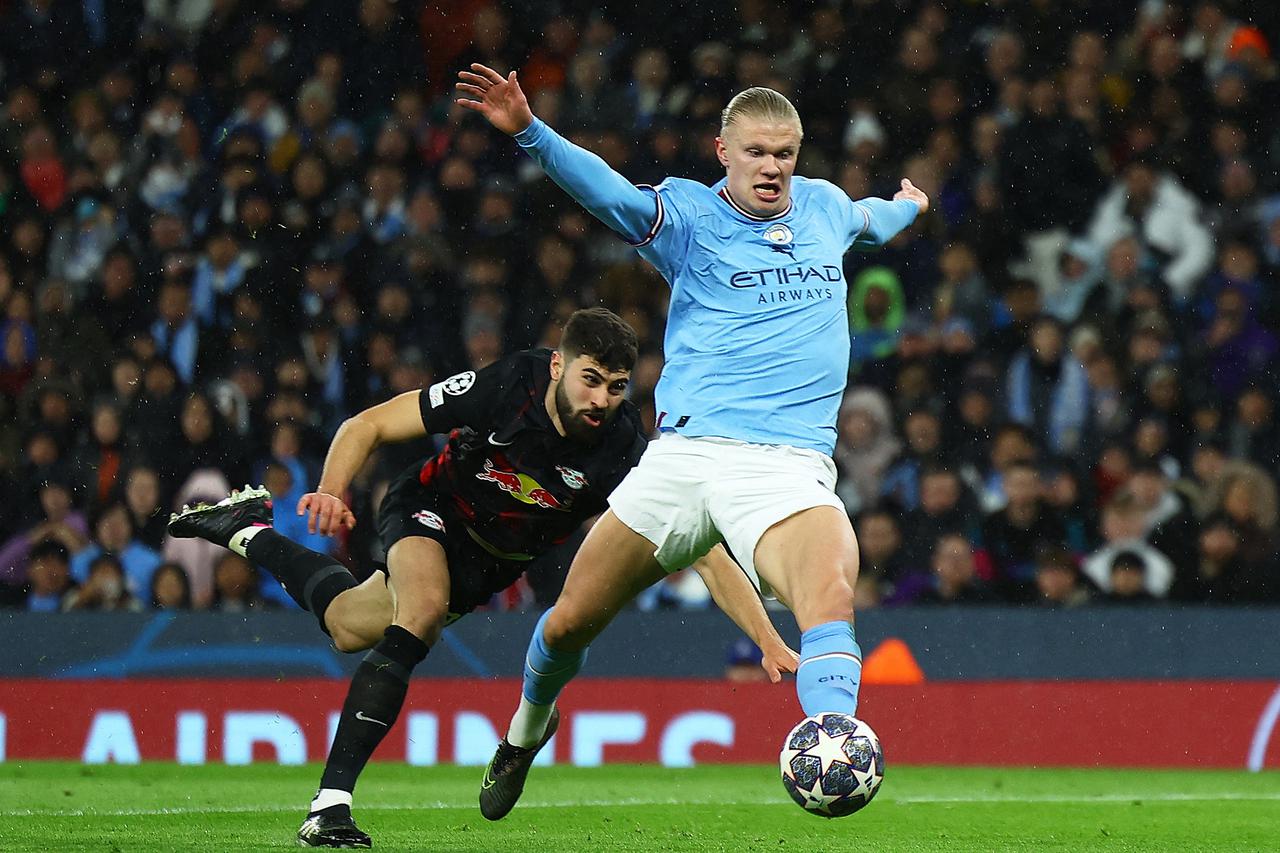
(1099, 799)
(193, 810)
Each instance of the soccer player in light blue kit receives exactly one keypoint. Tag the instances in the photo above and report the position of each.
(757, 354)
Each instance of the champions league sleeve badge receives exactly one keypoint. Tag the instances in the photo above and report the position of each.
(454, 386)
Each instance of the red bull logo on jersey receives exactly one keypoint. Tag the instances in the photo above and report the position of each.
(522, 487)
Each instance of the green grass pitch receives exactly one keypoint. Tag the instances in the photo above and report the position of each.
(56, 806)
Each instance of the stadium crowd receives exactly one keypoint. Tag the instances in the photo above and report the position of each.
(225, 226)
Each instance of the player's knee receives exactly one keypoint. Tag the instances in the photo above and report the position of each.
(422, 617)
(830, 601)
(566, 630)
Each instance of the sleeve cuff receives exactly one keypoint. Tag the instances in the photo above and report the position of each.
(658, 218)
(530, 136)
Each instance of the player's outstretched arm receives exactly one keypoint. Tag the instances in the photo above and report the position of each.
(885, 219)
(736, 596)
(604, 193)
(398, 419)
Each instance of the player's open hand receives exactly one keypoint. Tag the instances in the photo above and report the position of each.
(776, 658)
(499, 99)
(911, 192)
(325, 513)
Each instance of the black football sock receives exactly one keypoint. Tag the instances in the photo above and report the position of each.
(373, 704)
(312, 579)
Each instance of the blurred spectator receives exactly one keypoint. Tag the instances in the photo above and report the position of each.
(1156, 208)
(170, 588)
(943, 508)
(1253, 433)
(865, 447)
(1247, 496)
(104, 588)
(49, 583)
(1048, 390)
(1128, 581)
(143, 500)
(876, 312)
(1057, 580)
(236, 585)
(59, 522)
(1237, 348)
(113, 535)
(1168, 523)
(1216, 574)
(955, 577)
(880, 560)
(742, 662)
(1123, 521)
(1012, 536)
(103, 453)
(196, 556)
(1065, 495)
(901, 484)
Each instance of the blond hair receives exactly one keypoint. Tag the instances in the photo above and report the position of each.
(761, 103)
(1265, 500)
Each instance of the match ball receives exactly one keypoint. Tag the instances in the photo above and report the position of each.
(832, 764)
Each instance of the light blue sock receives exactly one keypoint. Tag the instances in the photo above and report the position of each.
(547, 671)
(830, 669)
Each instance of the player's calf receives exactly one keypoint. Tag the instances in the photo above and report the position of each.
(830, 670)
(242, 522)
(357, 618)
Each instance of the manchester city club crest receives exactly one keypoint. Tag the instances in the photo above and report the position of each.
(779, 234)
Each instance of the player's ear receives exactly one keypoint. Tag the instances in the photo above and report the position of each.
(557, 365)
(722, 153)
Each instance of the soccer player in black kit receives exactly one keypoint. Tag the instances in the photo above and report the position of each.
(536, 443)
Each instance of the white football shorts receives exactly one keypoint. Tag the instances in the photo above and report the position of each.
(688, 494)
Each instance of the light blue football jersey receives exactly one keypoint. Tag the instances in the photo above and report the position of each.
(757, 339)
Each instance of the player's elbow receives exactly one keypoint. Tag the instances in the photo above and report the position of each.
(366, 425)
(877, 235)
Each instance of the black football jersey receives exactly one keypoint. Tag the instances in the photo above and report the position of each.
(509, 474)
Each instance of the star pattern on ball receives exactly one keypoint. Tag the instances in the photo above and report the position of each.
(817, 800)
(829, 749)
(831, 764)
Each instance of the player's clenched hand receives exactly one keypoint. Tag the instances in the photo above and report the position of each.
(911, 192)
(777, 658)
(499, 99)
(325, 513)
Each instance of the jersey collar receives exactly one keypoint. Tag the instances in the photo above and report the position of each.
(723, 191)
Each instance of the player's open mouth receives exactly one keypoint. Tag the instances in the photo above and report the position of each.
(593, 419)
(768, 192)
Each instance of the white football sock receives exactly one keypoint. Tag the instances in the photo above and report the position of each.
(241, 539)
(327, 797)
(529, 723)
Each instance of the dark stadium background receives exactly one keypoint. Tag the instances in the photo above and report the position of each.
(226, 226)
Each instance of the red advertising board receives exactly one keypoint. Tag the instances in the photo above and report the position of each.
(674, 722)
